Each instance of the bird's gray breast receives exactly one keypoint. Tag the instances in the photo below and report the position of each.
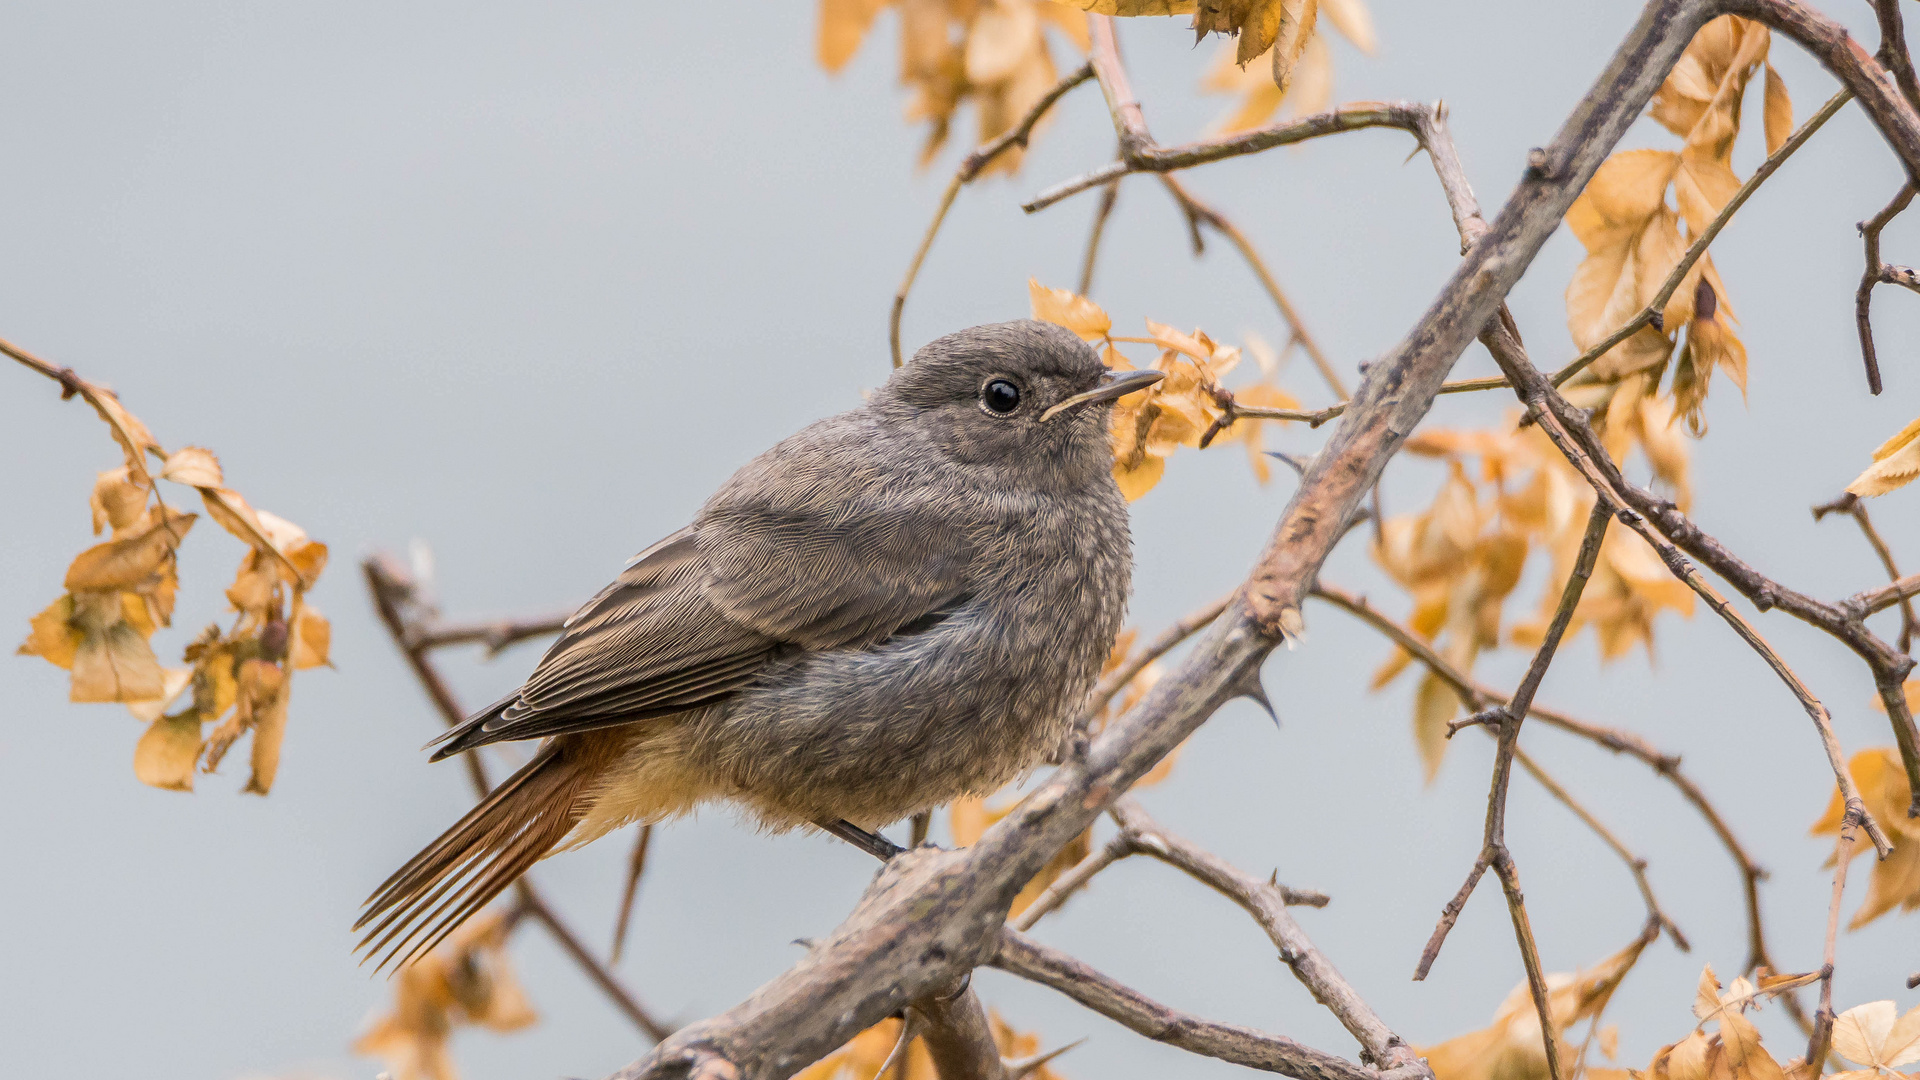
(965, 698)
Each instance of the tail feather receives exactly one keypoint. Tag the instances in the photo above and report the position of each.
(515, 826)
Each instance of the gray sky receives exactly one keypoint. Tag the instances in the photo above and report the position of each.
(527, 282)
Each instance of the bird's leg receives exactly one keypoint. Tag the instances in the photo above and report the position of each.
(872, 843)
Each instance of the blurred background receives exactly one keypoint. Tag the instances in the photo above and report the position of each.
(525, 282)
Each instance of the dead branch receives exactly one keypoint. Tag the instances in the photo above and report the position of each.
(1493, 849)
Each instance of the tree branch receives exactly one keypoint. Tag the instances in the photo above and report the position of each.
(1851, 505)
(1030, 960)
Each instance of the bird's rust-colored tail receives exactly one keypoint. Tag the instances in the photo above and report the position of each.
(515, 826)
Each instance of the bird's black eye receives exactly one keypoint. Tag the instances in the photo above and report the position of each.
(1000, 396)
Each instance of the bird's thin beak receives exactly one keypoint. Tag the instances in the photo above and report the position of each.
(1112, 385)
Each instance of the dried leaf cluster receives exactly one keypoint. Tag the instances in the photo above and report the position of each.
(1635, 238)
(1182, 409)
(466, 980)
(1305, 86)
(1508, 494)
(993, 53)
(120, 591)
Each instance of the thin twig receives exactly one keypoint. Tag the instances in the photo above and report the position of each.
(1851, 505)
(1101, 212)
(1821, 1040)
(393, 599)
(1636, 865)
(636, 866)
(1030, 960)
(970, 168)
(496, 634)
(1170, 638)
(1870, 230)
(1651, 313)
(1493, 850)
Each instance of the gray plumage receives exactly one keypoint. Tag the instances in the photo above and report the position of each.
(897, 606)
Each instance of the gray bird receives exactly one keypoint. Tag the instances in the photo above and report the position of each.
(897, 606)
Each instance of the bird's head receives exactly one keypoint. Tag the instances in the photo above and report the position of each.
(1021, 392)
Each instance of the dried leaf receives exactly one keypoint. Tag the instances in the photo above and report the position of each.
(118, 499)
(312, 640)
(843, 24)
(164, 757)
(112, 661)
(1350, 17)
(1291, 32)
(1779, 111)
(134, 555)
(1882, 781)
(192, 465)
(173, 685)
(1895, 464)
(466, 980)
(1063, 308)
(53, 636)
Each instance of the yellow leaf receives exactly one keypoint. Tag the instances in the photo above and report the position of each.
(1779, 111)
(118, 499)
(1291, 32)
(468, 979)
(112, 661)
(1350, 17)
(313, 638)
(53, 636)
(165, 755)
(132, 556)
(1137, 480)
(1895, 464)
(128, 431)
(175, 682)
(1625, 191)
(1511, 1048)
(1133, 7)
(269, 721)
(1882, 781)
(193, 465)
(1068, 21)
(843, 23)
(1003, 35)
(1434, 704)
(1063, 308)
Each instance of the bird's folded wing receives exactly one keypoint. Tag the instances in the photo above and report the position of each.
(796, 552)
(838, 565)
(649, 644)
